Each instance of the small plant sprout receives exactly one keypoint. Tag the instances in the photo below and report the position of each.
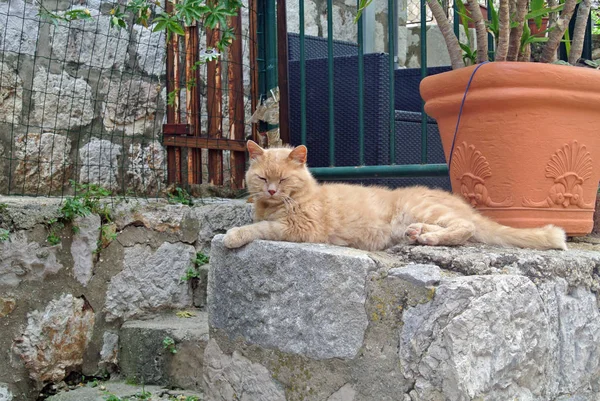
(169, 345)
(4, 235)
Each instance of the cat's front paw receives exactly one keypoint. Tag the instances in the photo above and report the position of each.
(234, 238)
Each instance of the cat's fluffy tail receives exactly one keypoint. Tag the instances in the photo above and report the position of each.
(547, 237)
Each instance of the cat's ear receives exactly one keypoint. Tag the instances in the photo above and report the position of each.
(254, 150)
(298, 154)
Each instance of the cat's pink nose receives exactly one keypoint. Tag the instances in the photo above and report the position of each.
(272, 192)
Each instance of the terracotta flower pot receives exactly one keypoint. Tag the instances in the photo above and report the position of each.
(535, 31)
(527, 151)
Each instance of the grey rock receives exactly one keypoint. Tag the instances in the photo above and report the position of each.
(235, 377)
(23, 212)
(22, 260)
(176, 220)
(345, 393)
(5, 394)
(218, 217)
(418, 274)
(61, 101)
(150, 281)
(311, 18)
(11, 91)
(122, 391)
(19, 25)
(150, 50)
(147, 167)
(131, 105)
(43, 163)
(574, 360)
(56, 338)
(278, 295)
(144, 358)
(84, 245)
(95, 43)
(109, 354)
(575, 266)
(99, 163)
(481, 337)
(344, 27)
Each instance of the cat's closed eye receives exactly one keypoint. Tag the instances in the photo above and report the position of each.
(282, 179)
(262, 178)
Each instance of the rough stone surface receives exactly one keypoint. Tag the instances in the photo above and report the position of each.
(480, 337)
(596, 229)
(11, 91)
(5, 394)
(144, 358)
(84, 245)
(150, 281)
(43, 165)
(23, 260)
(576, 266)
(311, 17)
(346, 393)
(7, 305)
(418, 274)
(150, 50)
(123, 391)
(344, 27)
(95, 44)
(19, 25)
(262, 303)
(60, 101)
(234, 377)
(109, 354)
(99, 163)
(130, 105)
(147, 167)
(23, 212)
(55, 339)
(218, 217)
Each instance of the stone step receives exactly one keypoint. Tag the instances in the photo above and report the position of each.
(315, 322)
(121, 391)
(147, 354)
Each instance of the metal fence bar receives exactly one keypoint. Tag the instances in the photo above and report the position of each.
(302, 77)
(406, 170)
(330, 83)
(456, 19)
(361, 91)
(423, 75)
(392, 65)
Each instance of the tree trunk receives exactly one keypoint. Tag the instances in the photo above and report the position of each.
(480, 30)
(525, 55)
(503, 30)
(583, 14)
(454, 49)
(516, 33)
(554, 37)
(553, 17)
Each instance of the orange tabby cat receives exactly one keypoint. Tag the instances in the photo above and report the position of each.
(292, 206)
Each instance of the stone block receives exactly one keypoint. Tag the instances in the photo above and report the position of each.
(61, 101)
(99, 163)
(19, 24)
(150, 50)
(11, 91)
(147, 168)
(84, 246)
(124, 391)
(44, 164)
(143, 357)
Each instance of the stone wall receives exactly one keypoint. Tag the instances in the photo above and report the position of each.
(62, 306)
(86, 101)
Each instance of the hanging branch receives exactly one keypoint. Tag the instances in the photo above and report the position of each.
(583, 14)
(503, 31)
(454, 49)
(517, 32)
(480, 30)
(554, 37)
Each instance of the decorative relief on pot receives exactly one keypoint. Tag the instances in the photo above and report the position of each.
(471, 168)
(569, 166)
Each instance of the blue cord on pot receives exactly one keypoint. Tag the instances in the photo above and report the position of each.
(460, 113)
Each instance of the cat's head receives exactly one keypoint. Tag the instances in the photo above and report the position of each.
(277, 173)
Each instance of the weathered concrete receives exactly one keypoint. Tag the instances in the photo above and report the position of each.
(124, 391)
(144, 359)
(84, 246)
(465, 323)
